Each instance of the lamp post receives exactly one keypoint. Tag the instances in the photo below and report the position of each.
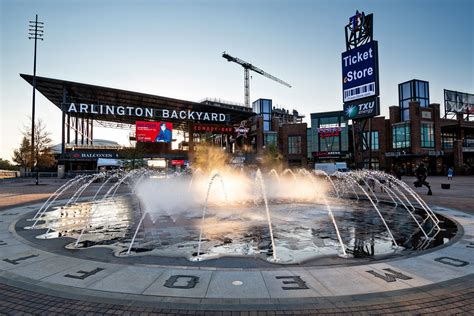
(36, 33)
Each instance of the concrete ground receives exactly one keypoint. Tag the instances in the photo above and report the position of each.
(456, 296)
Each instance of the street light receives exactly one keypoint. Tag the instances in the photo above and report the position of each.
(36, 33)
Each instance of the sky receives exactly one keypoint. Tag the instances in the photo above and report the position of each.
(173, 49)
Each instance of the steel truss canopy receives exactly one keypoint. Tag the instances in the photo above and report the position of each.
(62, 93)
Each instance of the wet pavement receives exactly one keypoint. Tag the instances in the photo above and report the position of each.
(435, 284)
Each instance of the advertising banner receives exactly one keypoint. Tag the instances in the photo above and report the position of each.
(360, 72)
(364, 108)
(458, 102)
(154, 132)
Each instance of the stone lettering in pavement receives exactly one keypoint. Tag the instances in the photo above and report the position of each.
(83, 274)
(392, 276)
(16, 261)
(2, 243)
(452, 261)
(300, 284)
(186, 282)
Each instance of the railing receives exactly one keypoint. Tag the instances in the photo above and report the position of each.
(40, 175)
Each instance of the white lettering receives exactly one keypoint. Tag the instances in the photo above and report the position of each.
(149, 112)
(174, 114)
(92, 109)
(138, 111)
(199, 114)
(213, 116)
(182, 115)
(72, 108)
(165, 114)
(110, 109)
(83, 108)
(120, 110)
(206, 117)
(190, 115)
(130, 108)
(222, 117)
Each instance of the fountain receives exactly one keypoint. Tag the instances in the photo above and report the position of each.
(295, 216)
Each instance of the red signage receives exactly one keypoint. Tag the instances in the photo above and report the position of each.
(329, 132)
(213, 129)
(326, 153)
(154, 132)
(177, 162)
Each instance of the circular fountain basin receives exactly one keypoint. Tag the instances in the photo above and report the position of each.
(303, 231)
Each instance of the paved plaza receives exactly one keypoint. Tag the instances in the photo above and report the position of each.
(38, 280)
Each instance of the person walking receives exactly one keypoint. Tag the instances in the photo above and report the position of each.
(421, 174)
(450, 173)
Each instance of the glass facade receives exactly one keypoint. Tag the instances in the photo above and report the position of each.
(294, 144)
(338, 143)
(401, 136)
(447, 140)
(263, 107)
(375, 163)
(270, 138)
(427, 135)
(414, 90)
(375, 140)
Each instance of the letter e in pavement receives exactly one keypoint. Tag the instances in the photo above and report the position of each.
(296, 280)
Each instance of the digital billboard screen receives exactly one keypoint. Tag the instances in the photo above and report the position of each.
(154, 132)
(360, 72)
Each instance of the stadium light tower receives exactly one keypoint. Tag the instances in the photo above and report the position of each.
(36, 33)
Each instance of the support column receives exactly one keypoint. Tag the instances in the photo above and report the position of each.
(68, 129)
(75, 129)
(63, 123)
(92, 132)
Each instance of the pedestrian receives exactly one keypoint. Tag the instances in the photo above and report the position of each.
(450, 173)
(421, 174)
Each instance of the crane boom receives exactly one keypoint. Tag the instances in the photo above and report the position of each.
(248, 66)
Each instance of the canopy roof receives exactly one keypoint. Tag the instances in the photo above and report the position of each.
(76, 92)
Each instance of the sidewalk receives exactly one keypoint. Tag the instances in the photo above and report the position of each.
(460, 196)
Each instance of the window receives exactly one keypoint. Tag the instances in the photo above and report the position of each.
(294, 144)
(375, 163)
(401, 136)
(266, 126)
(270, 138)
(447, 140)
(427, 135)
(375, 140)
(414, 90)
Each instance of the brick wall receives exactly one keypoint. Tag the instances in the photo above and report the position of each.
(284, 132)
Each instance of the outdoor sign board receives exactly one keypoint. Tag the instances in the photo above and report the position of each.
(360, 72)
(326, 153)
(92, 154)
(154, 132)
(363, 108)
(178, 162)
(143, 111)
(458, 102)
(329, 131)
(212, 128)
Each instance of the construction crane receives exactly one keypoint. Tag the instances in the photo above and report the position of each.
(248, 66)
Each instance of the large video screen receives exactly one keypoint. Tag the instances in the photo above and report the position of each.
(154, 132)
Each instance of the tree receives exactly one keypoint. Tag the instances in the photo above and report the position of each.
(6, 165)
(22, 155)
(271, 157)
(42, 156)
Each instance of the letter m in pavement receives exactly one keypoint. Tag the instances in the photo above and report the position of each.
(392, 276)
